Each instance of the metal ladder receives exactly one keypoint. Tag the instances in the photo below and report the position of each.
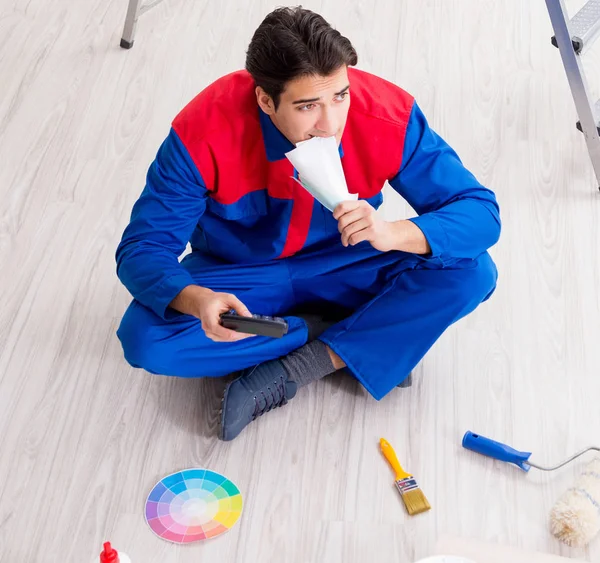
(573, 37)
(135, 9)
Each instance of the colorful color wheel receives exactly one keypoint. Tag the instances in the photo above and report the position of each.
(193, 505)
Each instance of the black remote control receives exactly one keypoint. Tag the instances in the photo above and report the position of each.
(262, 325)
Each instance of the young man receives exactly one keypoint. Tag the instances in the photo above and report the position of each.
(261, 243)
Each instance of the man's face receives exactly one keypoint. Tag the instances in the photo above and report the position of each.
(311, 106)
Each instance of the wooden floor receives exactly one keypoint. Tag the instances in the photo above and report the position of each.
(84, 438)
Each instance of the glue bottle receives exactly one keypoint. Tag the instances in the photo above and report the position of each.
(110, 555)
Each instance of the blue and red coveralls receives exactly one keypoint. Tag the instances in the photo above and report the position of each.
(221, 182)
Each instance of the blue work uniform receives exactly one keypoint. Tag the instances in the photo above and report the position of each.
(221, 182)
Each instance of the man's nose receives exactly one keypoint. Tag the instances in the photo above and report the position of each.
(326, 125)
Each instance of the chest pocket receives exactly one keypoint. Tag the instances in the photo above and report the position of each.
(247, 211)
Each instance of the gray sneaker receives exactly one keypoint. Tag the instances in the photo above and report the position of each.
(406, 382)
(257, 391)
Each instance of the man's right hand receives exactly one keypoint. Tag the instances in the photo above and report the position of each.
(208, 305)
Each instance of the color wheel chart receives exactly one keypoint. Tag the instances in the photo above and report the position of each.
(193, 505)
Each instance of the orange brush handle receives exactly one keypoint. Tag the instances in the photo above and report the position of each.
(390, 455)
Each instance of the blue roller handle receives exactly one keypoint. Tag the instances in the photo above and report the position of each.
(496, 450)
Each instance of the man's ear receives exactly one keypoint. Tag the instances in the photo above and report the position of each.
(265, 101)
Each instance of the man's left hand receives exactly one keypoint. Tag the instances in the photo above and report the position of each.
(358, 221)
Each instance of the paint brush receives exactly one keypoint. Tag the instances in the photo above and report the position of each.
(413, 497)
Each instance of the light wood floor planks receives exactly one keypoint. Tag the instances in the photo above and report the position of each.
(83, 437)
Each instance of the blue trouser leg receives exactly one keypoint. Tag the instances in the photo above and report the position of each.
(386, 338)
(179, 347)
(402, 305)
(399, 305)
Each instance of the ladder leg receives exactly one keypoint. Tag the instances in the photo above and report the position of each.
(133, 12)
(571, 47)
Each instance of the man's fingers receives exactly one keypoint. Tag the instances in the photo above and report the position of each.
(350, 217)
(237, 336)
(219, 333)
(216, 331)
(238, 306)
(349, 235)
(345, 207)
(360, 236)
(211, 318)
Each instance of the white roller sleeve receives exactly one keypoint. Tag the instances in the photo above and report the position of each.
(575, 518)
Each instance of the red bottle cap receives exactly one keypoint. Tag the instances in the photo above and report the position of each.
(109, 555)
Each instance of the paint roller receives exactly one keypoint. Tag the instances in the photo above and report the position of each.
(575, 517)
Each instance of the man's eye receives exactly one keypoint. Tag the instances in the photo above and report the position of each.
(307, 107)
(341, 97)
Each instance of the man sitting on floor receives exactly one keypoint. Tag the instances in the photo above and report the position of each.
(260, 243)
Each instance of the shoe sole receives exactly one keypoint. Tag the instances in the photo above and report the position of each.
(222, 410)
(222, 414)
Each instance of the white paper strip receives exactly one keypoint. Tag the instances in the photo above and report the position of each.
(320, 171)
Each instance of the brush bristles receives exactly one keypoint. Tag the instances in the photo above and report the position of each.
(413, 497)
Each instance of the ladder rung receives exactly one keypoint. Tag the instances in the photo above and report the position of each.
(145, 7)
(585, 25)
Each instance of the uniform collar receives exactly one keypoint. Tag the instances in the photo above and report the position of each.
(276, 143)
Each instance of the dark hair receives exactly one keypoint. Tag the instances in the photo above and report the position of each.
(294, 42)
